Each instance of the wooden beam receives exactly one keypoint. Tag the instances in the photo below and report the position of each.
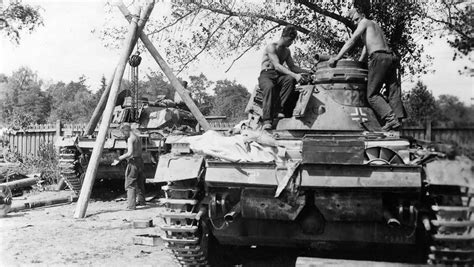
(91, 171)
(99, 109)
(169, 73)
(21, 183)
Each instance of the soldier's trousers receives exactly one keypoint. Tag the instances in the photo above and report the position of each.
(279, 94)
(383, 70)
(135, 181)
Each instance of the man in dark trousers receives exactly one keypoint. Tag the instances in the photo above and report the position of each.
(383, 65)
(134, 178)
(277, 81)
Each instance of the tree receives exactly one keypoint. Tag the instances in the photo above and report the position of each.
(103, 86)
(230, 100)
(420, 104)
(455, 20)
(452, 112)
(156, 85)
(72, 102)
(24, 102)
(17, 18)
(198, 86)
(229, 29)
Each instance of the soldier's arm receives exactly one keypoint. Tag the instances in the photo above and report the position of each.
(293, 67)
(130, 148)
(357, 34)
(363, 54)
(271, 51)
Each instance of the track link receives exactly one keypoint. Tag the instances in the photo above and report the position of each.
(453, 238)
(182, 227)
(70, 168)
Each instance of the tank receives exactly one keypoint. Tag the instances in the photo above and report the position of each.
(151, 121)
(337, 180)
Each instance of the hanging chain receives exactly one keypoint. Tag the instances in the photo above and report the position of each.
(134, 62)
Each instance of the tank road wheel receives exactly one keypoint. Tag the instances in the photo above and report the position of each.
(381, 156)
(70, 168)
(185, 232)
(452, 237)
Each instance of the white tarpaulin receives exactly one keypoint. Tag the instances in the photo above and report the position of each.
(237, 148)
(249, 146)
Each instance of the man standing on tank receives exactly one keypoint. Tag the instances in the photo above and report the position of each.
(134, 178)
(383, 65)
(277, 81)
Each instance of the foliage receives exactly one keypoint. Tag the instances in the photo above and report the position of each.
(446, 111)
(453, 113)
(46, 163)
(198, 86)
(455, 19)
(230, 100)
(73, 102)
(23, 101)
(420, 104)
(229, 29)
(17, 18)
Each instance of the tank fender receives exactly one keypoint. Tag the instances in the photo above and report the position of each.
(450, 172)
(177, 167)
(66, 141)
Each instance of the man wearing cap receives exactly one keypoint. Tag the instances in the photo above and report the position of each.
(277, 81)
(383, 65)
(134, 178)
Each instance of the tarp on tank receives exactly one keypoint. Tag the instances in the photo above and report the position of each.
(250, 146)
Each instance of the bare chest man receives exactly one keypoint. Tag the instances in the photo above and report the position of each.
(282, 52)
(137, 145)
(373, 37)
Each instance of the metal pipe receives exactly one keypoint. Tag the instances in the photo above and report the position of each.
(321, 58)
(233, 213)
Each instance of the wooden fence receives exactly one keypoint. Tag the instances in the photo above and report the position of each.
(27, 142)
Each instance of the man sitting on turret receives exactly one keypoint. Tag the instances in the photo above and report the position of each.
(277, 81)
(383, 66)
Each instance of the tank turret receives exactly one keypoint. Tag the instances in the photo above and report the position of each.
(335, 100)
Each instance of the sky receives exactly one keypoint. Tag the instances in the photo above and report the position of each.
(66, 48)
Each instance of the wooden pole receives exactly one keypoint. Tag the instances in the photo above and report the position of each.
(91, 171)
(20, 183)
(169, 73)
(99, 109)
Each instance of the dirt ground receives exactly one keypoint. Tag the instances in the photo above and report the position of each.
(51, 236)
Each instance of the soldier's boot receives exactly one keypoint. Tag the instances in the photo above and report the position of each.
(131, 195)
(391, 123)
(141, 199)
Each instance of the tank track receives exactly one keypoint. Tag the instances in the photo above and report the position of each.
(452, 237)
(70, 168)
(182, 224)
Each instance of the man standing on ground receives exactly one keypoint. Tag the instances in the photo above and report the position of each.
(134, 178)
(383, 65)
(277, 81)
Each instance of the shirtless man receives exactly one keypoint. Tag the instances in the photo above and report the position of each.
(277, 81)
(134, 178)
(383, 66)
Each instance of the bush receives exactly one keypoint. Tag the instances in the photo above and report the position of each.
(46, 163)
